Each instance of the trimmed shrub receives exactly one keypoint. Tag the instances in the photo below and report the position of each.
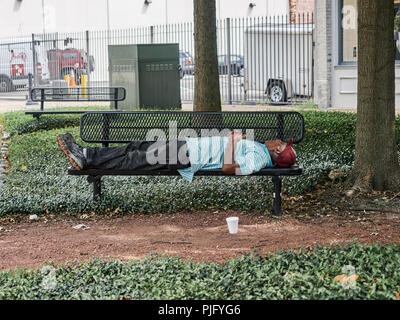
(287, 274)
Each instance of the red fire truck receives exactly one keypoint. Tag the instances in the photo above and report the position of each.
(16, 63)
(62, 62)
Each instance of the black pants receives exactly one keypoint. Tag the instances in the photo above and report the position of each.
(136, 155)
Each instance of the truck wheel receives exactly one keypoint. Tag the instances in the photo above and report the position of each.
(5, 84)
(277, 92)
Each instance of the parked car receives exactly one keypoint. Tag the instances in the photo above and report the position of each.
(187, 62)
(237, 64)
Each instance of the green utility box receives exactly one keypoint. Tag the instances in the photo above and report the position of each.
(148, 72)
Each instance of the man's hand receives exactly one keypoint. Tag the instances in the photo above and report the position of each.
(235, 136)
(229, 166)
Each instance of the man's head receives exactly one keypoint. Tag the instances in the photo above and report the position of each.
(282, 153)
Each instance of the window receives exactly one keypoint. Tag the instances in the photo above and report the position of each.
(348, 30)
(397, 27)
(70, 56)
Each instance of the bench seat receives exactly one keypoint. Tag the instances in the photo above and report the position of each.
(39, 113)
(114, 127)
(272, 171)
(76, 94)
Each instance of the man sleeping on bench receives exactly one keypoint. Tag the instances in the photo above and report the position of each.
(233, 154)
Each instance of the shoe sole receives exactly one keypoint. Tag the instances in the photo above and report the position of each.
(64, 149)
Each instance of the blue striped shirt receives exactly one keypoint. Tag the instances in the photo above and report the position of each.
(207, 153)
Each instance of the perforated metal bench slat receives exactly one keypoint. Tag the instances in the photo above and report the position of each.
(123, 127)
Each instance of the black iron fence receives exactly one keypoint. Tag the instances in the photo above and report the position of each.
(265, 60)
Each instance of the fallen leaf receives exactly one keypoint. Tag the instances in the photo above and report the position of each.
(398, 295)
(108, 228)
(352, 278)
(345, 279)
(340, 277)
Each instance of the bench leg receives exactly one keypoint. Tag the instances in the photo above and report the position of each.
(96, 186)
(277, 209)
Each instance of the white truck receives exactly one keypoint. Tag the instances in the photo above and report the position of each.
(16, 62)
(278, 61)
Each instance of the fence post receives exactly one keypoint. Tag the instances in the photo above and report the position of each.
(29, 102)
(42, 99)
(88, 58)
(151, 34)
(34, 60)
(228, 58)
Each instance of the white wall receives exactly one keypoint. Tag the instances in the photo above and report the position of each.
(79, 15)
(344, 76)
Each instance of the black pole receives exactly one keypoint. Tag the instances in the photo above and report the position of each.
(116, 98)
(42, 99)
(97, 188)
(30, 102)
(277, 207)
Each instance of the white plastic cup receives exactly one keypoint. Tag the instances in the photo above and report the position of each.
(233, 223)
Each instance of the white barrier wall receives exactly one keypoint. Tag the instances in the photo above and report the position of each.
(344, 86)
(78, 15)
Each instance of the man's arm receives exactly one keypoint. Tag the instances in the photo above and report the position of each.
(230, 166)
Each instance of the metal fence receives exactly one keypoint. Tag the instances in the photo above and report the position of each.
(261, 60)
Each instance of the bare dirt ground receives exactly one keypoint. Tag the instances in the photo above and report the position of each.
(325, 215)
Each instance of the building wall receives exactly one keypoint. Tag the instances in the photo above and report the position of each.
(322, 54)
(344, 77)
(80, 15)
(301, 10)
(301, 6)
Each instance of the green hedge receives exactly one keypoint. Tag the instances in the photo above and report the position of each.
(286, 274)
(18, 123)
(38, 181)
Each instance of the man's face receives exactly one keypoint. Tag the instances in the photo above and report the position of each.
(275, 147)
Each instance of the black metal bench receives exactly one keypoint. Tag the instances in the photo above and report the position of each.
(75, 94)
(123, 127)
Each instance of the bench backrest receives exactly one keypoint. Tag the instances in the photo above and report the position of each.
(78, 94)
(122, 127)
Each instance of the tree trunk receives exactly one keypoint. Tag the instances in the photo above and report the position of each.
(206, 96)
(376, 163)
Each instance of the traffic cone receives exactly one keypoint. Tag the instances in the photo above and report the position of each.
(72, 79)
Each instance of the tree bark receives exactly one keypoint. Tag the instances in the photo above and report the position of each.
(376, 164)
(207, 95)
